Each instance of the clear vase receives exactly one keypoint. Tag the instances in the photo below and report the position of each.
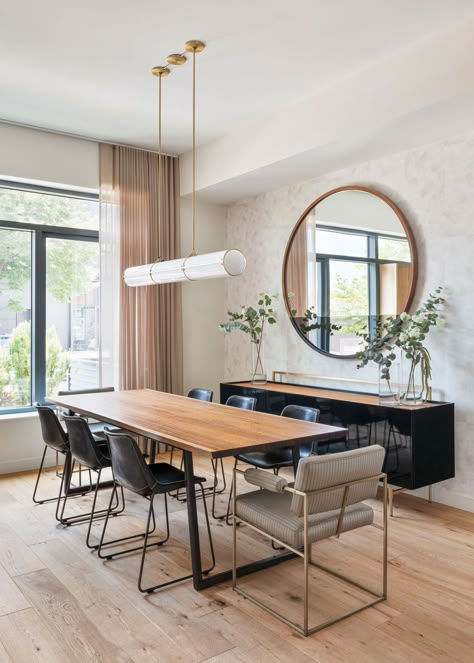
(389, 387)
(259, 375)
(415, 388)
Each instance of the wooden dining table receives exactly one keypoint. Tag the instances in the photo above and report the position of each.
(193, 426)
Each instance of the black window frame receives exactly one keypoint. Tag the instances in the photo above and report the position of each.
(40, 233)
(372, 261)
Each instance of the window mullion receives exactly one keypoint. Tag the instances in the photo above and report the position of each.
(38, 330)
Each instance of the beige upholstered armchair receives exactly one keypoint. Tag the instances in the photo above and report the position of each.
(326, 500)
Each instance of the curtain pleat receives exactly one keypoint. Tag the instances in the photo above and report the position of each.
(150, 346)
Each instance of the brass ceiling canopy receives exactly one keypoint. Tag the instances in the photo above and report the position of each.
(160, 71)
(176, 58)
(194, 45)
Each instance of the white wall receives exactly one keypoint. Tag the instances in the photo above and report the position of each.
(203, 302)
(47, 157)
(433, 186)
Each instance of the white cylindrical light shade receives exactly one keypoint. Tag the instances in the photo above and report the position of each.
(215, 265)
(194, 268)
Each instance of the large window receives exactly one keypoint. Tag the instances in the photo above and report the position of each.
(49, 294)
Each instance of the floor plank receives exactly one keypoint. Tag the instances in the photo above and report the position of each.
(11, 598)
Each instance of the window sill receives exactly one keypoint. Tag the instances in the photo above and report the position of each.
(17, 415)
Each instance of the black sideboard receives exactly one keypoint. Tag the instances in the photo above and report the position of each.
(419, 439)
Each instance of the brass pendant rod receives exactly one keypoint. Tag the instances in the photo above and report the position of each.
(194, 155)
(160, 190)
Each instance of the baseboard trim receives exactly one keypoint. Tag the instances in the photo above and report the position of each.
(26, 464)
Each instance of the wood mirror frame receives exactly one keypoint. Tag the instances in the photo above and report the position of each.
(409, 236)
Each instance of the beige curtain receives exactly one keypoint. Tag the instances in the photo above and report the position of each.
(297, 271)
(147, 320)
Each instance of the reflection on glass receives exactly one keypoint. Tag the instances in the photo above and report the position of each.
(341, 244)
(52, 210)
(348, 304)
(393, 248)
(72, 306)
(350, 264)
(15, 316)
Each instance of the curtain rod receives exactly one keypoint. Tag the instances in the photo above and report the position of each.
(71, 135)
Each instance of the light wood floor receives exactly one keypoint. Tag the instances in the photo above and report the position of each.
(59, 603)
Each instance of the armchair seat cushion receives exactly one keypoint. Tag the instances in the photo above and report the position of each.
(271, 513)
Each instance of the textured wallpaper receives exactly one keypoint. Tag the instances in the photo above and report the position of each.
(434, 188)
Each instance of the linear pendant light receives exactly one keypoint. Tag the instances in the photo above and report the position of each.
(217, 264)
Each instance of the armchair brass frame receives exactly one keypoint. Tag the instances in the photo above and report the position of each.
(305, 553)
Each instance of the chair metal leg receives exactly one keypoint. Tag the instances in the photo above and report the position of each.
(180, 494)
(145, 534)
(103, 512)
(231, 492)
(81, 517)
(146, 545)
(51, 499)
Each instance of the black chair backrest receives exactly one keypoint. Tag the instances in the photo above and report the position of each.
(53, 433)
(128, 466)
(83, 447)
(200, 394)
(77, 392)
(301, 412)
(305, 414)
(244, 402)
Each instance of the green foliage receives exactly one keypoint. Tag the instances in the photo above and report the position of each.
(252, 320)
(16, 368)
(69, 263)
(406, 332)
(310, 321)
(19, 351)
(349, 301)
(57, 361)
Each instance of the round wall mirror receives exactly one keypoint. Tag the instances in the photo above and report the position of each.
(350, 262)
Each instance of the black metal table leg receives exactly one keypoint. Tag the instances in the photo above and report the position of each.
(295, 452)
(194, 544)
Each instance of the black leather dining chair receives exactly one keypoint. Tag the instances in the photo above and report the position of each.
(275, 460)
(131, 472)
(89, 453)
(55, 438)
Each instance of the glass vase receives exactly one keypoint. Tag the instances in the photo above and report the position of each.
(389, 387)
(259, 375)
(415, 387)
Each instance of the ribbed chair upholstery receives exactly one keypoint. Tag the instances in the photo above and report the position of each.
(89, 453)
(326, 500)
(131, 472)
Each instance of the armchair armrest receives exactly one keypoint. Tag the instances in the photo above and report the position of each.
(272, 482)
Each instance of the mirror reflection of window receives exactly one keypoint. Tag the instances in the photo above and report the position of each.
(350, 261)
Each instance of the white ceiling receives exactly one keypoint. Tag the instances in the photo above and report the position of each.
(83, 68)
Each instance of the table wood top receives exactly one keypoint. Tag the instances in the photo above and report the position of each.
(331, 394)
(194, 425)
